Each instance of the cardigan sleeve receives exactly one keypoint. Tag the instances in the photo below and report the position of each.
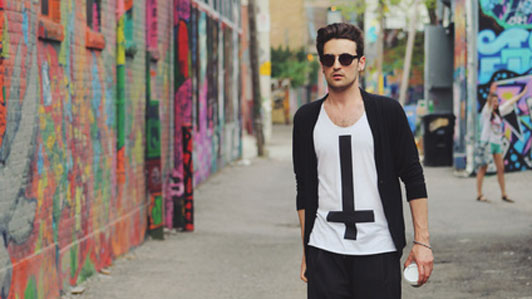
(297, 160)
(406, 158)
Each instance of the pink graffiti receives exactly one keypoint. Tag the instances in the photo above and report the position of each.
(203, 140)
(183, 48)
(184, 95)
(182, 7)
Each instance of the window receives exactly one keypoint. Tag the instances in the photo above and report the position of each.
(93, 38)
(50, 27)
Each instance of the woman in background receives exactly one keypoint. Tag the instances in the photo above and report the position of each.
(491, 140)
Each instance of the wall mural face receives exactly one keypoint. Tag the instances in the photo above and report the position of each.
(504, 64)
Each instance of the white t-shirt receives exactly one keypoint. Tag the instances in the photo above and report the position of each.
(372, 237)
(492, 128)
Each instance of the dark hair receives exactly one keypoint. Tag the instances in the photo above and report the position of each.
(340, 30)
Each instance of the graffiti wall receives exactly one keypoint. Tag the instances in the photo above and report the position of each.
(215, 88)
(110, 112)
(64, 215)
(504, 63)
(460, 83)
(207, 126)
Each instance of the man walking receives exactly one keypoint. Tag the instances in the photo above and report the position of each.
(349, 150)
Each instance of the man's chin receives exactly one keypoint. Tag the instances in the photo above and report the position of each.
(340, 86)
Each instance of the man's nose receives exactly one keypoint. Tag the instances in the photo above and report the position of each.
(337, 65)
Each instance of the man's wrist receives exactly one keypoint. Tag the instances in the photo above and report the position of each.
(426, 245)
(423, 237)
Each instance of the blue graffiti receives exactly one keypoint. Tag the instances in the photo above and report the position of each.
(509, 13)
(511, 50)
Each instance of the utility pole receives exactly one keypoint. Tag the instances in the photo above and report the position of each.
(255, 80)
(408, 54)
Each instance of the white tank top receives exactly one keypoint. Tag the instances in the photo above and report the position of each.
(371, 237)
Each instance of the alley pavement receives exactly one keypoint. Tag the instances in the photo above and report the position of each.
(247, 240)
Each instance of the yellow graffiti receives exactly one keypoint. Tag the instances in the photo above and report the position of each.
(5, 41)
(266, 69)
(50, 142)
(58, 171)
(42, 119)
(121, 40)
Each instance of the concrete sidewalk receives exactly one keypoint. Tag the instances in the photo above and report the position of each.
(247, 240)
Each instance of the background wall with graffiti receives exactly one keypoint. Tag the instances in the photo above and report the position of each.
(215, 84)
(76, 78)
(460, 83)
(504, 57)
(207, 126)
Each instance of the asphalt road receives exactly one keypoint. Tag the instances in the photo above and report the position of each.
(247, 240)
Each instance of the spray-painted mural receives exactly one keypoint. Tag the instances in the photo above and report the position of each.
(505, 63)
(460, 84)
(216, 96)
(92, 94)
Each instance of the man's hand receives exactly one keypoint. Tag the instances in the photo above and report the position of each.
(424, 259)
(302, 275)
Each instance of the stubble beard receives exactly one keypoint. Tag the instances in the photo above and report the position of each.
(342, 88)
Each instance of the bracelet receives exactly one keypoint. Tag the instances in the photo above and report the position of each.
(423, 244)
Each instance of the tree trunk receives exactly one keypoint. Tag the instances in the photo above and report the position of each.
(255, 80)
(408, 55)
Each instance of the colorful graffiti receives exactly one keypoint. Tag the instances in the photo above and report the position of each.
(188, 174)
(182, 113)
(62, 218)
(154, 125)
(83, 116)
(216, 97)
(509, 13)
(460, 84)
(517, 123)
(505, 59)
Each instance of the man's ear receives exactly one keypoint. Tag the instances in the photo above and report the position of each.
(361, 63)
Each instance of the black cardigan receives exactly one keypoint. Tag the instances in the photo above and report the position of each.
(396, 156)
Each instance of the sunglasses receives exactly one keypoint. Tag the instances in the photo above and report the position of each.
(345, 59)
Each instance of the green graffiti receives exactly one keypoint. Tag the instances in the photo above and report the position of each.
(153, 129)
(31, 289)
(73, 260)
(157, 211)
(87, 270)
(121, 105)
(131, 47)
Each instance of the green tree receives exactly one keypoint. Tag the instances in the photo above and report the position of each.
(293, 65)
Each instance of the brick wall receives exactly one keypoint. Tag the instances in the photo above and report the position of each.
(73, 131)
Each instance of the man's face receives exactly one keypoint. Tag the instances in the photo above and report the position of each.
(340, 77)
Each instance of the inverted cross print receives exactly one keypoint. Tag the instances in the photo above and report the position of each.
(349, 216)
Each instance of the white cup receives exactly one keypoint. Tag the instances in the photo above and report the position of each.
(411, 274)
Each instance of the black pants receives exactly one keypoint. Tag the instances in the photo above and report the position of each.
(337, 276)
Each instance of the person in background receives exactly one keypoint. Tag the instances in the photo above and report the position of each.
(490, 146)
